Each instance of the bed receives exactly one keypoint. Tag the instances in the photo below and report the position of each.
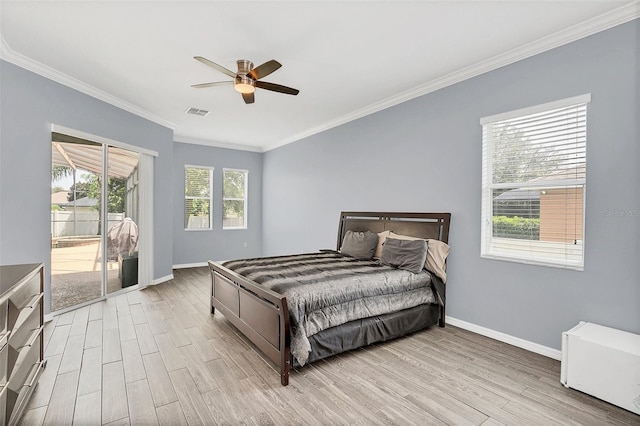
(342, 302)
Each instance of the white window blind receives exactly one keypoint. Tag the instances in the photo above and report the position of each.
(234, 199)
(533, 184)
(198, 184)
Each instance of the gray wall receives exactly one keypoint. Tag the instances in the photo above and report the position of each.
(29, 104)
(425, 155)
(191, 247)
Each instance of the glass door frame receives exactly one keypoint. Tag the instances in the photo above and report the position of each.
(146, 215)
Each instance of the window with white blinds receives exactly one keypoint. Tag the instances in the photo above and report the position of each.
(234, 199)
(198, 202)
(533, 184)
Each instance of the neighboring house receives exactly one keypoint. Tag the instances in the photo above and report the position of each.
(561, 215)
(81, 204)
(560, 208)
(60, 197)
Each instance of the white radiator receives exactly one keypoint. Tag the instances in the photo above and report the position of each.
(603, 362)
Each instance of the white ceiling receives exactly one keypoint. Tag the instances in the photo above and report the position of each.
(348, 58)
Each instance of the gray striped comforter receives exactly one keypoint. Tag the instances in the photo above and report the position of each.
(325, 290)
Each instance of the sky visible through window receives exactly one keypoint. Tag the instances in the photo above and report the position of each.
(66, 182)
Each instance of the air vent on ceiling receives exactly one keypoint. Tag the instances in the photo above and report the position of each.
(196, 111)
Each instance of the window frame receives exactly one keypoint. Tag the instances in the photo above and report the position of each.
(245, 199)
(210, 198)
(488, 250)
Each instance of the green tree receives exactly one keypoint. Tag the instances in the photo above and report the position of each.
(516, 159)
(198, 185)
(234, 187)
(234, 184)
(116, 192)
(78, 190)
(58, 172)
(198, 207)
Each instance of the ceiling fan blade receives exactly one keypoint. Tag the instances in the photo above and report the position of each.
(277, 88)
(215, 83)
(248, 98)
(215, 66)
(264, 70)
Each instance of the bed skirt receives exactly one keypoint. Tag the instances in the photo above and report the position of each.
(367, 331)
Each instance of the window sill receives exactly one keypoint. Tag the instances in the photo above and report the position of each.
(537, 262)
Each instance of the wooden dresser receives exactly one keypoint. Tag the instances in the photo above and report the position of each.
(21, 337)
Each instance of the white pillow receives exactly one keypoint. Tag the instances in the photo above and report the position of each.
(437, 252)
(381, 237)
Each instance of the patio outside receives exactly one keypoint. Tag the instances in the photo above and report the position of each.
(76, 272)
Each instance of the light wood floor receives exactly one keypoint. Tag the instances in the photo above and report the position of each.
(158, 356)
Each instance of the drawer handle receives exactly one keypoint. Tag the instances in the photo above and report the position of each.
(34, 338)
(34, 379)
(4, 339)
(36, 298)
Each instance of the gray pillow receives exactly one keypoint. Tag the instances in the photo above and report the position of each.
(361, 245)
(404, 254)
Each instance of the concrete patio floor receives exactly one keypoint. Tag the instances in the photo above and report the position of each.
(76, 275)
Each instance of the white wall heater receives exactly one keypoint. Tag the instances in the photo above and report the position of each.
(603, 362)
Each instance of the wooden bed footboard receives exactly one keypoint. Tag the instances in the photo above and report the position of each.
(260, 314)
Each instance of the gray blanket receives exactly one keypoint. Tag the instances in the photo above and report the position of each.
(325, 290)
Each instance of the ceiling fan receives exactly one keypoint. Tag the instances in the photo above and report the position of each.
(247, 78)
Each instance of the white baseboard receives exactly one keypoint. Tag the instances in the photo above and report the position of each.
(190, 265)
(506, 338)
(162, 279)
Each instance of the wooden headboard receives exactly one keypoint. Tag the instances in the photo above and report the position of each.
(421, 225)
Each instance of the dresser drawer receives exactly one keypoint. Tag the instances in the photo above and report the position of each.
(13, 402)
(21, 297)
(28, 320)
(18, 399)
(27, 357)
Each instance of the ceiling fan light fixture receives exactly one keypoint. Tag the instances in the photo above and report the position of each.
(244, 84)
(244, 88)
(247, 78)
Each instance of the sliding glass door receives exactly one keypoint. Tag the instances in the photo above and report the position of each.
(122, 211)
(94, 234)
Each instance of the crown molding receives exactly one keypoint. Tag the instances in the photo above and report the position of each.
(589, 27)
(7, 54)
(216, 144)
(584, 29)
(4, 47)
